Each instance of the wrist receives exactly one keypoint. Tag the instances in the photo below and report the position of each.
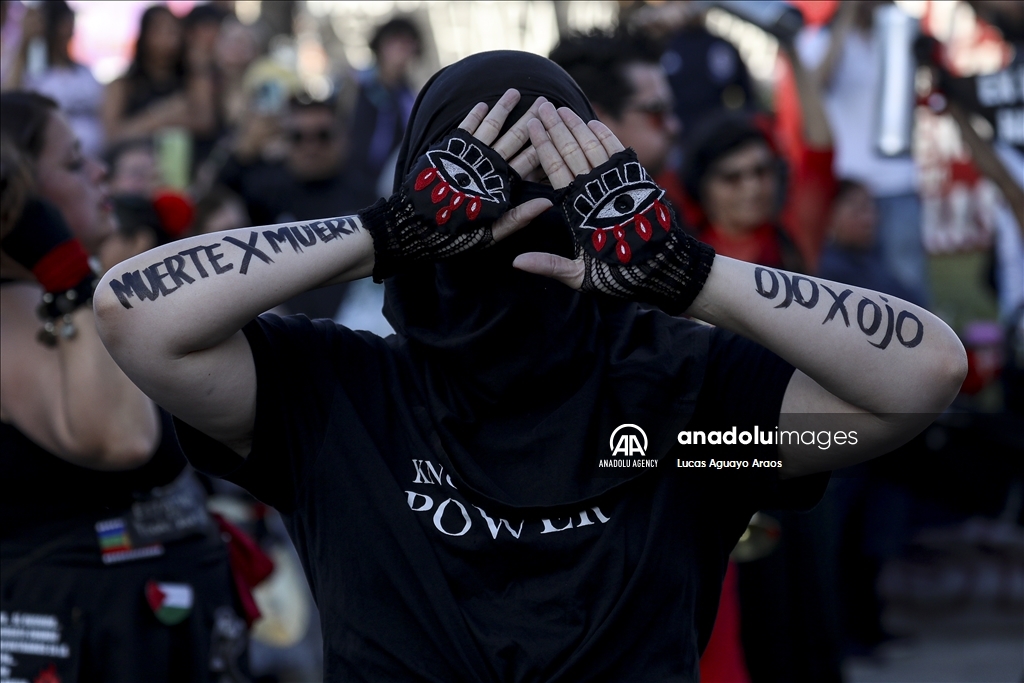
(378, 220)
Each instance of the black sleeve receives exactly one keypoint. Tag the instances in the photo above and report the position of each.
(744, 386)
(295, 388)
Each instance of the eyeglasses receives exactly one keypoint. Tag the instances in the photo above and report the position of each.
(321, 135)
(734, 177)
(657, 112)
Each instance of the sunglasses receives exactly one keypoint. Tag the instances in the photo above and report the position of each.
(657, 113)
(734, 177)
(322, 136)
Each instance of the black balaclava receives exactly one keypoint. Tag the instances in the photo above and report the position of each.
(523, 378)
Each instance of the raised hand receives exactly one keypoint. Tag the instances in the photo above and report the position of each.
(629, 243)
(457, 198)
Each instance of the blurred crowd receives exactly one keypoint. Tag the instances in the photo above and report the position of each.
(211, 128)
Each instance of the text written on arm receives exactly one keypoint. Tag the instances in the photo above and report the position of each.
(166, 276)
(904, 326)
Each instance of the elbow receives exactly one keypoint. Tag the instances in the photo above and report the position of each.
(107, 311)
(953, 371)
(124, 452)
(129, 454)
(946, 375)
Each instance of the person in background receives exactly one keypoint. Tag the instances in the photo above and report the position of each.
(219, 209)
(998, 98)
(67, 82)
(164, 87)
(235, 49)
(383, 104)
(622, 76)
(311, 182)
(851, 255)
(734, 180)
(104, 536)
(743, 200)
(705, 72)
(201, 31)
(133, 168)
(139, 229)
(845, 59)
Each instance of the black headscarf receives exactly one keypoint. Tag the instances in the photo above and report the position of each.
(524, 378)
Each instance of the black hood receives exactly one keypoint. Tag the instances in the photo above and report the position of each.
(523, 378)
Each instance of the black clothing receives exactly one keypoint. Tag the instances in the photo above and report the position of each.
(105, 631)
(419, 578)
(38, 488)
(272, 194)
(378, 122)
(58, 578)
(707, 75)
(142, 92)
(515, 365)
(443, 486)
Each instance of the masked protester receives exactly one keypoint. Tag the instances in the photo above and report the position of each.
(104, 537)
(446, 487)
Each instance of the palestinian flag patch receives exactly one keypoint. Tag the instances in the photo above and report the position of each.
(170, 602)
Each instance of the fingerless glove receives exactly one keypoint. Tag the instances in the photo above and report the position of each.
(445, 206)
(630, 239)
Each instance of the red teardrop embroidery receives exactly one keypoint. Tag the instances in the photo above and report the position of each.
(443, 215)
(623, 251)
(473, 208)
(425, 177)
(643, 228)
(439, 192)
(457, 199)
(599, 240)
(618, 233)
(664, 218)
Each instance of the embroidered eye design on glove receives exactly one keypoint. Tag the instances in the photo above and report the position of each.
(470, 181)
(463, 174)
(653, 260)
(620, 205)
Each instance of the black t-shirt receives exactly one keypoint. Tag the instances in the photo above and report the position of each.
(39, 489)
(416, 583)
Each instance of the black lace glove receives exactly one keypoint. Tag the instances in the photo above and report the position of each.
(631, 243)
(446, 205)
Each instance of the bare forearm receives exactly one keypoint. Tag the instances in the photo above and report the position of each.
(195, 293)
(876, 352)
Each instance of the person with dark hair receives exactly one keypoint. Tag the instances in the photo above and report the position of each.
(622, 76)
(311, 182)
(444, 486)
(133, 167)
(220, 209)
(744, 201)
(67, 82)
(168, 83)
(104, 537)
(383, 104)
(852, 254)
